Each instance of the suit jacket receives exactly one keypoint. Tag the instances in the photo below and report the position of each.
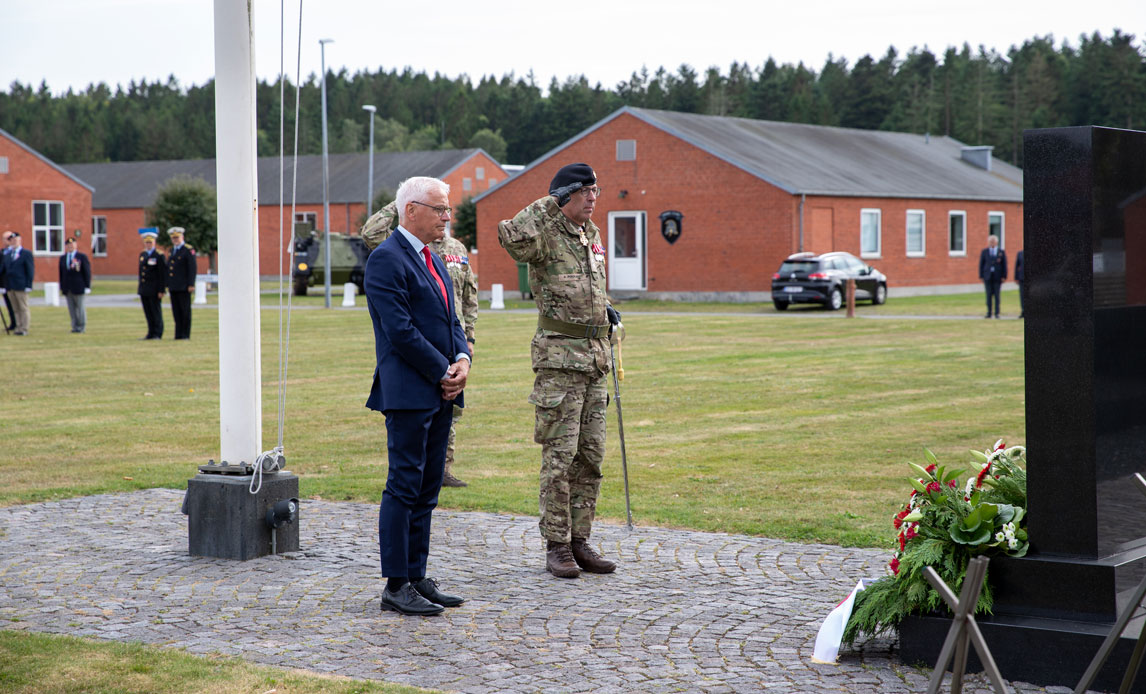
(1019, 266)
(416, 337)
(181, 270)
(152, 276)
(993, 270)
(78, 277)
(19, 271)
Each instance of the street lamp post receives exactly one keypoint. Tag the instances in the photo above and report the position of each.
(325, 177)
(370, 174)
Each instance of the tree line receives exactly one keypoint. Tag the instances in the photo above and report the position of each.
(980, 97)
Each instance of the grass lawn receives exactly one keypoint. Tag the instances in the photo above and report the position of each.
(793, 427)
(40, 664)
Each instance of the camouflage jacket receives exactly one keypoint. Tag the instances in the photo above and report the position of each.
(567, 278)
(452, 252)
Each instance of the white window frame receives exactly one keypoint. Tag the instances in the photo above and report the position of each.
(922, 252)
(97, 234)
(49, 229)
(479, 173)
(952, 214)
(1002, 226)
(306, 218)
(626, 150)
(467, 184)
(878, 232)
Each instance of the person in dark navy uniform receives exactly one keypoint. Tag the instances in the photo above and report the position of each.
(181, 273)
(152, 283)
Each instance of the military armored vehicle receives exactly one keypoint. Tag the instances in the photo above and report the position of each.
(347, 259)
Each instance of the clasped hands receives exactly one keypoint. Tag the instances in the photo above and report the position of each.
(455, 379)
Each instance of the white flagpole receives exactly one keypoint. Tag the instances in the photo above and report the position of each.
(240, 365)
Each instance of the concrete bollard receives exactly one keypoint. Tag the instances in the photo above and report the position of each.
(497, 297)
(200, 290)
(52, 293)
(348, 291)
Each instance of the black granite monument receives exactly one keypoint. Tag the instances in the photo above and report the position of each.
(1084, 232)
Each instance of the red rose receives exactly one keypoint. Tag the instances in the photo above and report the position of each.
(930, 468)
(894, 566)
(934, 487)
(951, 483)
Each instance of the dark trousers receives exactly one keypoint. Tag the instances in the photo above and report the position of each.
(416, 444)
(181, 311)
(992, 292)
(153, 312)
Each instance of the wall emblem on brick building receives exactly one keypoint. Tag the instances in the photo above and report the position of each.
(671, 226)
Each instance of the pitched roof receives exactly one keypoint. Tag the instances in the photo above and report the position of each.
(133, 184)
(20, 143)
(823, 160)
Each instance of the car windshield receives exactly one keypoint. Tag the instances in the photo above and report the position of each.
(790, 266)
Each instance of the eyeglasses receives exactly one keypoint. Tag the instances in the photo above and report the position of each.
(595, 191)
(438, 209)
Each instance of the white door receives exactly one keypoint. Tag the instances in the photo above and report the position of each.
(627, 250)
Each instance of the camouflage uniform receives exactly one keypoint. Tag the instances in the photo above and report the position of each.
(570, 392)
(453, 253)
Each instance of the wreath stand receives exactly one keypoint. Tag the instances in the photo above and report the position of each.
(964, 630)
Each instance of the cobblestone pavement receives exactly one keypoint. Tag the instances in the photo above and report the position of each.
(686, 611)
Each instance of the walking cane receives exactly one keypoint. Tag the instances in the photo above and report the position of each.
(621, 423)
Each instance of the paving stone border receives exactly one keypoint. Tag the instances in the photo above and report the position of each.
(687, 611)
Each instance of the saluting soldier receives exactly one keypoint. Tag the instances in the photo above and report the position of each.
(152, 283)
(453, 253)
(570, 355)
(181, 273)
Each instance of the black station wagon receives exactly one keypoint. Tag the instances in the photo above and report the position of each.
(807, 278)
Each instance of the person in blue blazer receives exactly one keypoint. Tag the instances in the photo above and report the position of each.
(75, 283)
(421, 367)
(19, 273)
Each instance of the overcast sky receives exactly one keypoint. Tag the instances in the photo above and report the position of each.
(72, 43)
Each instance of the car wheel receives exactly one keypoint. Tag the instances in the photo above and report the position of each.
(880, 295)
(780, 305)
(835, 300)
(300, 286)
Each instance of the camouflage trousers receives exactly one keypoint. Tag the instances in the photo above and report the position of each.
(570, 426)
(450, 442)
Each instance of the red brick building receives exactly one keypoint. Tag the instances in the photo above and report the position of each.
(750, 193)
(43, 202)
(124, 189)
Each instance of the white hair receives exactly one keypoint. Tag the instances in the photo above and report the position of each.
(417, 187)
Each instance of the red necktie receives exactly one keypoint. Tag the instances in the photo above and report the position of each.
(441, 286)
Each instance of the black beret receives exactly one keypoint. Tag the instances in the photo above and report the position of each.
(573, 173)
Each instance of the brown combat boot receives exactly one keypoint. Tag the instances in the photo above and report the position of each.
(559, 560)
(589, 560)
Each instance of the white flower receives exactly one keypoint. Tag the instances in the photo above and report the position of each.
(1009, 528)
(1012, 543)
(999, 537)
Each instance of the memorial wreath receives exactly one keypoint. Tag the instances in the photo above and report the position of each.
(945, 523)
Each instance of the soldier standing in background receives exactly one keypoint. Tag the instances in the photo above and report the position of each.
(152, 282)
(181, 272)
(75, 283)
(570, 356)
(453, 253)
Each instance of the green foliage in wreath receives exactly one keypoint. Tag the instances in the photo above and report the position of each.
(945, 523)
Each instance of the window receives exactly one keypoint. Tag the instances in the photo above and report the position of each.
(310, 218)
(3, 165)
(916, 234)
(479, 173)
(492, 182)
(48, 226)
(996, 227)
(626, 150)
(467, 184)
(957, 233)
(99, 236)
(869, 233)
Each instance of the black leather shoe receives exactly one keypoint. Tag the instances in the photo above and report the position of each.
(428, 589)
(406, 600)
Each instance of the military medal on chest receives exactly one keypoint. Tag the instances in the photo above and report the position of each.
(584, 239)
(598, 252)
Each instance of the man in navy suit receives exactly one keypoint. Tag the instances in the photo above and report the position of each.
(422, 365)
(75, 282)
(992, 270)
(19, 272)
